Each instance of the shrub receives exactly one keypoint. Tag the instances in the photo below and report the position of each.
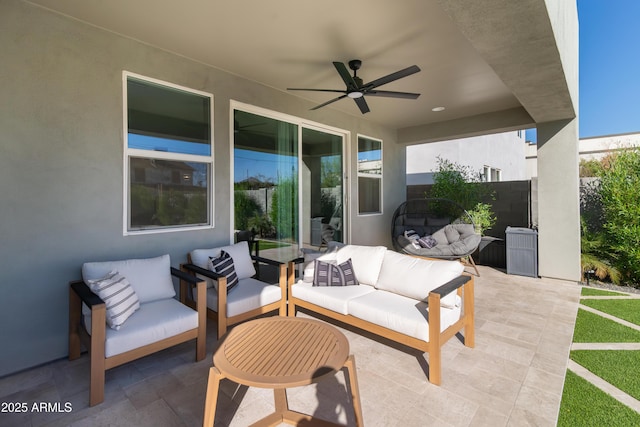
(245, 208)
(462, 185)
(619, 184)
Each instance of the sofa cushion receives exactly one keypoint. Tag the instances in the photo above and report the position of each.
(366, 261)
(153, 322)
(248, 294)
(224, 265)
(415, 277)
(119, 298)
(239, 252)
(309, 262)
(149, 277)
(398, 313)
(334, 298)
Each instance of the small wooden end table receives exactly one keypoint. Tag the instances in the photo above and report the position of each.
(281, 352)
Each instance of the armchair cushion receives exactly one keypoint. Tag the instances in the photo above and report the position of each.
(248, 295)
(239, 252)
(224, 265)
(149, 277)
(119, 297)
(154, 321)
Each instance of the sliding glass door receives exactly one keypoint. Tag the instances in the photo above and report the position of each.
(322, 188)
(288, 181)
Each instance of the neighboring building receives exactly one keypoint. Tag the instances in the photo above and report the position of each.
(498, 157)
(590, 148)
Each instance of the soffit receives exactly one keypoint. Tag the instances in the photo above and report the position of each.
(291, 43)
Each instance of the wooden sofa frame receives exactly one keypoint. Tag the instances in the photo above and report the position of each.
(463, 284)
(79, 292)
(220, 314)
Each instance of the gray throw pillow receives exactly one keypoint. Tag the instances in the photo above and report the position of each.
(329, 274)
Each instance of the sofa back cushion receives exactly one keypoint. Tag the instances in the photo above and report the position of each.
(366, 261)
(239, 252)
(150, 278)
(415, 277)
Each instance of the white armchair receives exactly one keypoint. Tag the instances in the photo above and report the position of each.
(117, 329)
(249, 298)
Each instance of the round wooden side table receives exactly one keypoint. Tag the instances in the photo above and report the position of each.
(281, 352)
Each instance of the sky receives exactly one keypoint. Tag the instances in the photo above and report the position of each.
(609, 86)
(609, 67)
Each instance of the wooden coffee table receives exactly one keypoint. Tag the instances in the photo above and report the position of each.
(281, 352)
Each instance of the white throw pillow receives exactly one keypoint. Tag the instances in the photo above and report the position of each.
(119, 297)
(149, 277)
(366, 260)
(415, 277)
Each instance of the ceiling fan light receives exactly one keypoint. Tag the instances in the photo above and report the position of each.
(355, 94)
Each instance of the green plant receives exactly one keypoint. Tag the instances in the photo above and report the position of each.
(619, 183)
(595, 256)
(462, 185)
(284, 208)
(482, 217)
(245, 208)
(262, 225)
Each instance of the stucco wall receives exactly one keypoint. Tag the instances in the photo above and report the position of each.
(61, 166)
(504, 151)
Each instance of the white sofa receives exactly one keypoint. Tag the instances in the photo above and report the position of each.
(417, 302)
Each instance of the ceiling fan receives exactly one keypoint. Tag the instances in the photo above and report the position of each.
(356, 89)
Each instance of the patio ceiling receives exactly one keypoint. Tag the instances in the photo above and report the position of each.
(493, 65)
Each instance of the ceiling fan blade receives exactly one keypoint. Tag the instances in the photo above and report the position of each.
(392, 77)
(362, 104)
(329, 102)
(318, 90)
(391, 94)
(346, 76)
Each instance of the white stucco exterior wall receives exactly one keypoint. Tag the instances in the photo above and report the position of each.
(589, 148)
(504, 151)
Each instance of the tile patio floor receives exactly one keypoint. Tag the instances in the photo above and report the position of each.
(513, 377)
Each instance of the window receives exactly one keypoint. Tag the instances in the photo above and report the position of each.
(168, 156)
(369, 176)
(490, 174)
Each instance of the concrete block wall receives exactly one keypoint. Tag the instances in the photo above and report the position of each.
(512, 205)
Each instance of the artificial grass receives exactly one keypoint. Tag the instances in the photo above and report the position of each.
(614, 366)
(593, 328)
(600, 292)
(627, 309)
(268, 244)
(583, 404)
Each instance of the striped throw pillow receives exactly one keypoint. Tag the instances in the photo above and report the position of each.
(120, 298)
(330, 274)
(224, 265)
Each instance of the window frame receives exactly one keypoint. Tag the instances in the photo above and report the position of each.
(129, 153)
(370, 175)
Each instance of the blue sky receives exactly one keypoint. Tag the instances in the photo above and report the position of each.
(609, 67)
